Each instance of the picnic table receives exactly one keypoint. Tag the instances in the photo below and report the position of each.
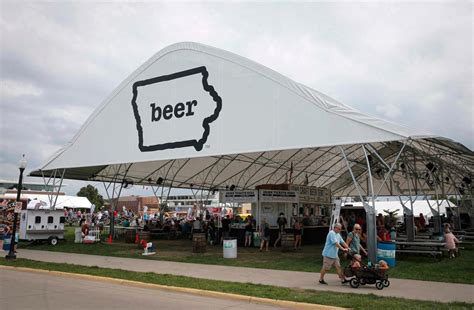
(433, 248)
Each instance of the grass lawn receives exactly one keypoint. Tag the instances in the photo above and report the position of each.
(355, 301)
(459, 270)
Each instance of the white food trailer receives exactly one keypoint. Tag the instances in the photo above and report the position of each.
(39, 222)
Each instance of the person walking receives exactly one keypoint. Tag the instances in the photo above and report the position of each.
(297, 232)
(248, 231)
(334, 242)
(225, 228)
(281, 227)
(353, 240)
(264, 235)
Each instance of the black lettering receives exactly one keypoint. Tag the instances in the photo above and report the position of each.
(179, 110)
(154, 111)
(190, 105)
(168, 111)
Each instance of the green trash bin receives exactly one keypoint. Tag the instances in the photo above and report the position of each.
(256, 239)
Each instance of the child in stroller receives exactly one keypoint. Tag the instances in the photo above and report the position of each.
(363, 274)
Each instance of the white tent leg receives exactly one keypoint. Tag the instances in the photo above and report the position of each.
(370, 210)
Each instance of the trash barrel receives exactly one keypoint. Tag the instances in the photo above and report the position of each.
(230, 248)
(386, 251)
(287, 242)
(199, 243)
(6, 242)
(78, 235)
(256, 239)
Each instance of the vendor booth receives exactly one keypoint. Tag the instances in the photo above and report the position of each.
(309, 205)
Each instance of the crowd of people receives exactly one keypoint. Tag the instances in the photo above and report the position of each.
(216, 227)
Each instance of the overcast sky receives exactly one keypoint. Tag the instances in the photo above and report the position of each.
(408, 62)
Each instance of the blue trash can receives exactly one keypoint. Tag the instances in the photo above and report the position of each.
(6, 242)
(386, 251)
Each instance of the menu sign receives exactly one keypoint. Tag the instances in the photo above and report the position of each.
(311, 194)
(279, 196)
(238, 196)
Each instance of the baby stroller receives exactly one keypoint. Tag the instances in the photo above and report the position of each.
(377, 274)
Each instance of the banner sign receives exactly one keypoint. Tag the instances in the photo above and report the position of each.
(238, 196)
(311, 194)
(279, 196)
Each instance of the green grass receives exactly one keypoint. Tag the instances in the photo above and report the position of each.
(356, 301)
(459, 270)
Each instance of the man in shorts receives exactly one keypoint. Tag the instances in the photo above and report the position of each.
(334, 242)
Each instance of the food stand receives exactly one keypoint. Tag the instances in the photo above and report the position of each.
(310, 205)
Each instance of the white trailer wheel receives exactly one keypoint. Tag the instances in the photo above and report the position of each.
(53, 241)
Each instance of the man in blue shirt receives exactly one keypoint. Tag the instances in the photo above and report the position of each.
(334, 242)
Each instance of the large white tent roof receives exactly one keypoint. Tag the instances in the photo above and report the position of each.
(197, 116)
(63, 201)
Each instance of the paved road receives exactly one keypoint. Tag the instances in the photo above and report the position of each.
(26, 290)
(402, 288)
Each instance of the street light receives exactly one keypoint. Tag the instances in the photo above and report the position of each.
(21, 165)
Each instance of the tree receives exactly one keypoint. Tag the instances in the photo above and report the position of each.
(91, 193)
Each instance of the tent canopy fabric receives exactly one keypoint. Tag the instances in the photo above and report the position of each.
(63, 201)
(194, 116)
(419, 206)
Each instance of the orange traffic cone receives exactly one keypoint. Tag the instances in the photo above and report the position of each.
(109, 240)
(136, 238)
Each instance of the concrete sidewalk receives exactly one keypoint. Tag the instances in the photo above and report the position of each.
(410, 289)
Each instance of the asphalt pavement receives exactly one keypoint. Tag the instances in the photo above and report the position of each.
(402, 288)
(28, 290)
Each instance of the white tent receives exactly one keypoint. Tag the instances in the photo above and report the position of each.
(63, 201)
(196, 116)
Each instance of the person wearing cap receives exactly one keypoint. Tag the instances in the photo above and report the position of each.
(334, 243)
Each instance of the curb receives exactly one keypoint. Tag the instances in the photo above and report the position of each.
(192, 291)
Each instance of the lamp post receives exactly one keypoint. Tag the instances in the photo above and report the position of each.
(21, 165)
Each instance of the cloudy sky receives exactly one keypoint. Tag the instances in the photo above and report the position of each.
(408, 62)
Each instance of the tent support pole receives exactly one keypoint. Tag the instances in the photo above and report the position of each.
(114, 199)
(391, 168)
(370, 211)
(371, 227)
(410, 218)
(54, 192)
(457, 222)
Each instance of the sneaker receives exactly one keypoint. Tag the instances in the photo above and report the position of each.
(323, 282)
(345, 281)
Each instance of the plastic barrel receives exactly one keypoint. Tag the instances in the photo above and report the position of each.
(199, 243)
(287, 242)
(6, 242)
(256, 239)
(230, 248)
(386, 251)
(78, 235)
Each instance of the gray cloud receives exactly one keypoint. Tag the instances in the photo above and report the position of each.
(408, 62)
